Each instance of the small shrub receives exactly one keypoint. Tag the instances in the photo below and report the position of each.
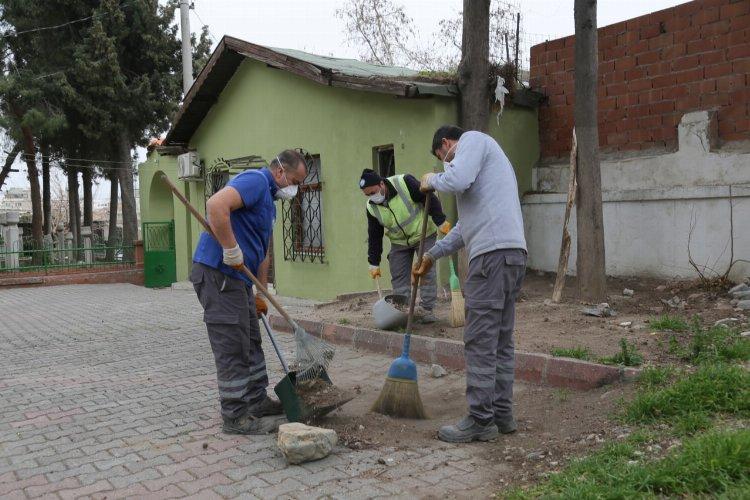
(575, 352)
(343, 321)
(628, 356)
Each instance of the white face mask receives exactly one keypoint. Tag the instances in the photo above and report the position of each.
(377, 198)
(448, 157)
(288, 192)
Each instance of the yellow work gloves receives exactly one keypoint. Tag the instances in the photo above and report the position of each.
(423, 268)
(424, 183)
(374, 272)
(260, 305)
(445, 227)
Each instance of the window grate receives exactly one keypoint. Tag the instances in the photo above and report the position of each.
(302, 218)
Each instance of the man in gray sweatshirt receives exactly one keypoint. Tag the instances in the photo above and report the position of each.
(490, 226)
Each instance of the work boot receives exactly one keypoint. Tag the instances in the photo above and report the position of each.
(266, 408)
(467, 430)
(425, 316)
(506, 424)
(248, 424)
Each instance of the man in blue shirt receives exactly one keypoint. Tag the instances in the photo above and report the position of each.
(242, 216)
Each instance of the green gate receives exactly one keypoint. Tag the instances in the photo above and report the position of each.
(159, 261)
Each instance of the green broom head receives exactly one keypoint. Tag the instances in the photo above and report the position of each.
(455, 284)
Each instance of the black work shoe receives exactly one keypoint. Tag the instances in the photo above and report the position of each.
(506, 424)
(251, 425)
(467, 430)
(266, 408)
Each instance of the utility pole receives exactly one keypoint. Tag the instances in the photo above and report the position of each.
(187, 54)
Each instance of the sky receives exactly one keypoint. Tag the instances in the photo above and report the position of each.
(312, 26)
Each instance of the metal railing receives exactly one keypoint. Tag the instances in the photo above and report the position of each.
(53, 260)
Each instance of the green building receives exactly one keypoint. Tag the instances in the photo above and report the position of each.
(250, 102)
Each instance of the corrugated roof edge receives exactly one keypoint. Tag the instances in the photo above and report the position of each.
(331, 71)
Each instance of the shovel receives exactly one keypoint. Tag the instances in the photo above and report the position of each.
(294, 407)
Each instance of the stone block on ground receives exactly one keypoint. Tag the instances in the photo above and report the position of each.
(742, 287)
(744, 305)
(303, 443)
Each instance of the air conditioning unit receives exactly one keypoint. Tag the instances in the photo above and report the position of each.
(188, 166)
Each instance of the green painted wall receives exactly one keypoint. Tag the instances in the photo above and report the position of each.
(263, 111)
(158, 204)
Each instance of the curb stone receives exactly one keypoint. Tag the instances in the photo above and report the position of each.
(532, 367)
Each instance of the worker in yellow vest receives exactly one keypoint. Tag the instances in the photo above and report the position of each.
(394, 207)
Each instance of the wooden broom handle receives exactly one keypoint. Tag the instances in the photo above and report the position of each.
(210, 231)
(420, 253)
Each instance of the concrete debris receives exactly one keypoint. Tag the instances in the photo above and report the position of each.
(744, 305)
(742, 295)
(745, 334)
(386, 461)
(742, 287)
(437, 371)
(628, 292)
(535, 455)
(626, 323)
(727, 322)
(661, 288)
(675, 302)
(303, 443)
(601, 311)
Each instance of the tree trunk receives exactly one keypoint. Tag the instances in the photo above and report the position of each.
(589, 217)
(9, 160)
(473, 82)
(474, 68)
(74, 208)
(112, 239)
(129, 216)
(46, 198)
(88, 204)
(36, 196)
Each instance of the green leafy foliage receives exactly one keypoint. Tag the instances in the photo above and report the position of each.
(575, 352)
(712, 389)
(628, 356)
(667, 322)
(714, 464)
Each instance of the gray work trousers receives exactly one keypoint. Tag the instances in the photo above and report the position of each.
(233, 331)
(492, 285)
(400, 260)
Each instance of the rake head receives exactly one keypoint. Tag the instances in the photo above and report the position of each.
(313, 354)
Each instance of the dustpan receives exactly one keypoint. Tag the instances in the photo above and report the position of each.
(295, 408)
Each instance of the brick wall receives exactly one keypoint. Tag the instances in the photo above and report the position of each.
(652, 70)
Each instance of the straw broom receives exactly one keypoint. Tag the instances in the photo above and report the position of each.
(457, 300)
(400, 394)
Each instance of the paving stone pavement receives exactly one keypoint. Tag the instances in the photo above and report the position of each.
(108, 391)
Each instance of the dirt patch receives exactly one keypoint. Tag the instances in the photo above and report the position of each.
(554, 425)
(542, 326)
(317, 393)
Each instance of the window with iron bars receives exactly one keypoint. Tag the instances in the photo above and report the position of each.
(302, 218)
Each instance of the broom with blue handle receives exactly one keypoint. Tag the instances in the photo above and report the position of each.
(400, 394)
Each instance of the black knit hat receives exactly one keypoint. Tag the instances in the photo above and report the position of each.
(369, 178)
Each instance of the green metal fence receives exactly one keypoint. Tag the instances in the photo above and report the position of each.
(52, 260)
